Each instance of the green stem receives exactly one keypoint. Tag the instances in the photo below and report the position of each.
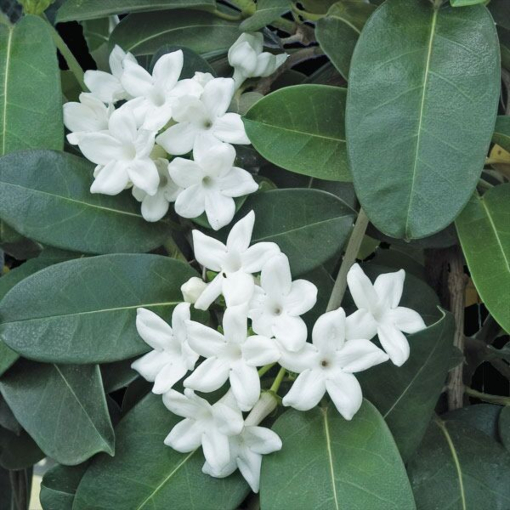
(266, 369)
(227, 17)
(307, 15)
(70, 59)
(351, 252)
(279, 378)
(493, 399)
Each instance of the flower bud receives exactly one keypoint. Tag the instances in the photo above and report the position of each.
(193, 289)
(264, 407)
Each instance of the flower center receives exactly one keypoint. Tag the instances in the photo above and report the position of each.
(232, 263)
(208, 124)
(277, 310)
(207, 182)
(129, 151)
(163, 181)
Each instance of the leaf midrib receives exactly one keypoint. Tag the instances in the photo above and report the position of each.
(6, 87)
(330, 457)
(498, 240)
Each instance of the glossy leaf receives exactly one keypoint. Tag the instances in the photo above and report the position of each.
(406, 396)
(146, 474)
(504, 427)
(474, 469)
(267, 11)
(309, 226)
(423, 92)
(328, 462)
(59, 485)
(45, 196)
(501, 134)
(93, 9)
(483, 417)
(91, 319)
(117, 375)
(338, 32)
(202, 32)
(483, 228)
(18, 451)
(301, 129)
(62, 407)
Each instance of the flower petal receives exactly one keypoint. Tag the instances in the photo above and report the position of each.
(101, 148)
(209, 252)
(301, 298)
(217, 95)
(219, 209)
(389, 287)
(170, 374)
(235, 324)
(150, 365)
(104, 86)
(167, 70)
(298, 361)
(237, 183)
(262, 440)
(260, 350)
(204, 340)
(111, 180)
(360, 324)
(227, 419)
(178, 139)
(216, 448)
(238, 288)
(191, 202)
(361, 288)
(394, 343)
(144, 174)
(185, 173)
(188, 405)
(136, 80)
(307, 391)
(153, 329)
(122, 125)
(290, 331)
(257, 255)
(345, 392)
(211, 375)
(210, 293)
(275, 278)
(407, 320)
(328, 334)
(154, 208)
(215, 159)
(245, 384)
(359, 355)
(239, 237)
(185, 437)
(249, 464)
(230, 129)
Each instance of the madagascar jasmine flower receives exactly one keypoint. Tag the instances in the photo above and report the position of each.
(193, 289)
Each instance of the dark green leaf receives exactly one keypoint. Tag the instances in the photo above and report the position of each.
(465, 3)
(91, 319)
(5, 490)
(93, 9)
(146, 474)
(338, 31)
(504, 427)
(59, 485)
(7, 357)
(483, 232)
(460, 467)
(18, 451)
(62, 407)
(202, 32)
(501, 134)
(45, 196)
(406, 396)
(97, 34)
(301, 129)
(483, 417)
(500, 10)
(423, 92)
(310, 226)
(328, 462)
(117, 375)
(267, 11)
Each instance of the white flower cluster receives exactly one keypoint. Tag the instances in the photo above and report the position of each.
(133, 123)
(274, 304)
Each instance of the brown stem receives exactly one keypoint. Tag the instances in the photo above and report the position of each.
(457, 282)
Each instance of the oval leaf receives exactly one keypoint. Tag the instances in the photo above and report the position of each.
(54, 403)
(301, 129)
(406, 396)
(267, 11)
(501, 134)
(483, 232)
(202, 32)
(91, 319)
(328, 462)
(93, 9)
(423, 93)
(310, 226)
(145, 474)
(338, 32)
(475, 470)
(45, 196)
(59, 485)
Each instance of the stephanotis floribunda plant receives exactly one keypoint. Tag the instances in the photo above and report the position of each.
(254, 254)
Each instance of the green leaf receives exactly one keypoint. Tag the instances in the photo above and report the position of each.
(328, 462)
(301, 129)
(310, 226)
(483, 417)
(92, 9)
(6, 502)
(267, 11)
(30, 95)
(406, 396)
(97, 33)
(465, 3)
(117, 375)
(202, 32)
(146, 474)
(18, 451)
(59, 485)
(474, 469)
(338, 32)
(483, 230)
(62, 407)
(500, 10)
(504, 427)
(501, 134)
(45, 196)
(91, 319)
(423, 92)
(7, 357)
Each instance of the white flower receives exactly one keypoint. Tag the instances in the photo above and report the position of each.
(88, 116)
(155, 92)
(234, 262)
(379, 312)
(154, 207)
(328, 365)
(232, 356)
(277, 304)
(247, 58)
(193, 289)
(206, 117)
(210, 182)
(108, 87)
(205, 424)
(124, 155)
(172, 356)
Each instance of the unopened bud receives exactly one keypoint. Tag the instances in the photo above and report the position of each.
(193, 289)
(264, 407)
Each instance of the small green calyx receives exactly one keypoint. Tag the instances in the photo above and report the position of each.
(36, 7)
